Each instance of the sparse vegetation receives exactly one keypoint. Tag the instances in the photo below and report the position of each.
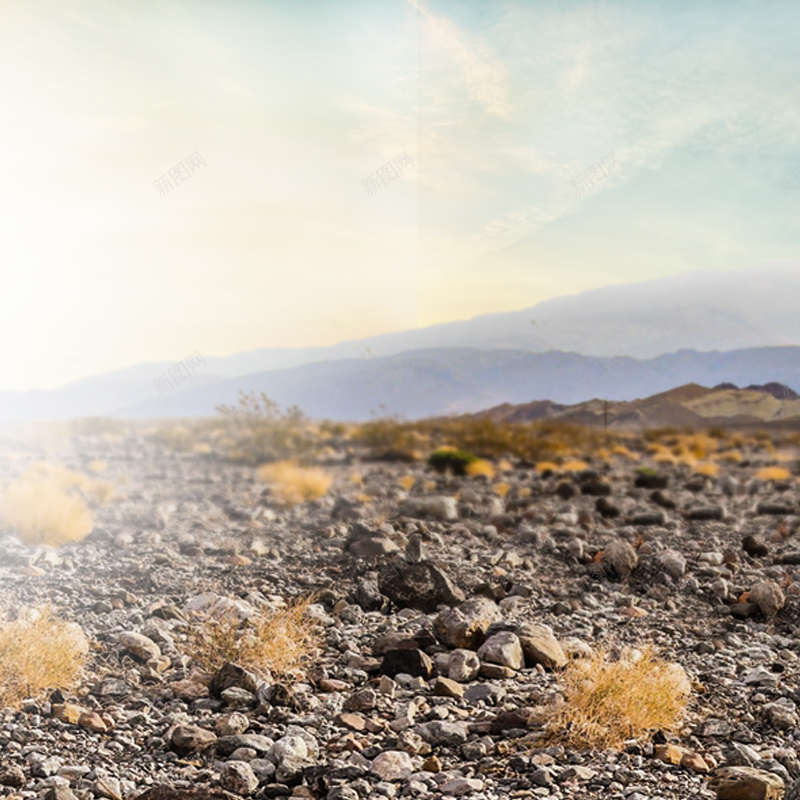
(41, 507)
(480, 467)
(39, 652)
(259, 430)
(450, 459)
(608, 701)
(279, 643)
(291, 484)
(773, 474)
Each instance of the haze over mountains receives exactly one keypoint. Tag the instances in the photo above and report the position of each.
(705, 328)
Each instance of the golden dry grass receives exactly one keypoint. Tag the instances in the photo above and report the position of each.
(42, 510)
(292, 484)
(429, 486)
(707, 468)
(279, 643)
(37, 653)
(504, 465)
(543, 466)
(730, 456)
(773, 473)
(610, 701)
(621, 450)
(406, 481)
(501, 488)
(574, 465)
(479, 467)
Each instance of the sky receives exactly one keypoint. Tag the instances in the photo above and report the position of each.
(217, 177)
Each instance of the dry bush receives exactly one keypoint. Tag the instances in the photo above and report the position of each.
(479, 467)
(707, 468)
(406, 481)
(292, 484)
(773, 474)
(38, 653)
(608, 701)
(278, 643)
(41, 510)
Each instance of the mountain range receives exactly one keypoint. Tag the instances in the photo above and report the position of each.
(618, 343)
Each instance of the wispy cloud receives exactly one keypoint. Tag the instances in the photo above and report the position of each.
(482, 70)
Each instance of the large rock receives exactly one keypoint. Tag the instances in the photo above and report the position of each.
(238, 777)
(187, 739)
(540, 646)
(463, 666)
(231, 675)
(746, 783)
(448, 733)
(438, 507)
(423, 586)
(620, 557)
(410, 662)
(363, 541)
(502, 648)
(392, 765)
(768, 596)
(139, 646)
(466, 625)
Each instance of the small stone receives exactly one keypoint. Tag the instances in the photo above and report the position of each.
(446, 687)
(768, 596)
(540, 646)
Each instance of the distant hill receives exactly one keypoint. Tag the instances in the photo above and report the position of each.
(690, 405)
(434, 382)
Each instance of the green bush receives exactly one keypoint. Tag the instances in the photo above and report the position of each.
(448, 459)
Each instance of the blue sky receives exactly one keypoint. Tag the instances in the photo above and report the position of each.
(275, 241)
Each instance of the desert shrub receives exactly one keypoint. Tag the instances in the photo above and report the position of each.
(608, 701)
(43, 508)
(707, 468)
(773, 474)
(261, 431)
(480, 467)
(407, 481)
(574, 465)
(390, 439)
(39, 652)
(730, 456)
(502, 488)
(450, 459)
(292, 484)
(278, 643)
(545, 466)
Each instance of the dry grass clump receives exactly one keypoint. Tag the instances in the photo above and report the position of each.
(544, 466)
(279, 643)
(731, 456)
(502, 488)
(292, 484)
(479, 467)
(773, 474)
(406, 481)
(707, 468)
(574, 465)
(37, 653)
(41, 509)
(608, 701)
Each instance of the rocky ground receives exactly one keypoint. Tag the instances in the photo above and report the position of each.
(445, 612)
